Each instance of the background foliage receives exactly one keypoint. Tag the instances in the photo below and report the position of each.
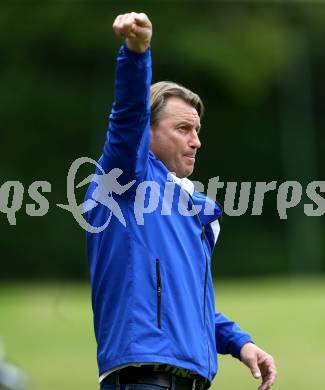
(259, 68)
(257, 65)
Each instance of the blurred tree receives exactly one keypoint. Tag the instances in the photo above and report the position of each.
(56, 73)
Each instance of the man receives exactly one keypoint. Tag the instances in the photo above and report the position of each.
(152, 288)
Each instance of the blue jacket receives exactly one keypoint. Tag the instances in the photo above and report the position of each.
(152, 288)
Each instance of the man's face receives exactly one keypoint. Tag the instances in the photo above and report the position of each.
(175, 140)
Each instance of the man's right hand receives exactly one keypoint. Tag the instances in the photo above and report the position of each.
(136, 29)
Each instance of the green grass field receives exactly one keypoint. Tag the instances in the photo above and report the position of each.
(47, 330)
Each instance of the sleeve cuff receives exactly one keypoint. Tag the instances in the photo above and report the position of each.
(134, 54)
(235, 351)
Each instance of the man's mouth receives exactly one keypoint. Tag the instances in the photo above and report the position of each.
(190, 156)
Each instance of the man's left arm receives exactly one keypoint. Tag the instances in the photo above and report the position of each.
(231, 339)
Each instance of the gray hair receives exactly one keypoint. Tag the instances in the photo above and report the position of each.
(161, 91)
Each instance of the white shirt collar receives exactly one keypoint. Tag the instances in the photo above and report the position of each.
(188, 186)
(185, 183)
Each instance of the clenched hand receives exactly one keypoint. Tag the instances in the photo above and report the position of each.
(136, 29)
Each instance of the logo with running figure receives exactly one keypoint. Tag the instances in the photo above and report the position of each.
(106, 186)
(149, 193)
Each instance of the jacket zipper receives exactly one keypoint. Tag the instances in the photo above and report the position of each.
(159, 287)
(205, 295)
(205, 282)
(205, 290)
(205, 275)
(209, 359)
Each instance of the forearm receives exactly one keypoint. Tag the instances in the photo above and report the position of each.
(132, 84)
(229, 336)
(133, 70)
(128, 137)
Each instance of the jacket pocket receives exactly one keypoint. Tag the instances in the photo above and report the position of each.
(159, 289)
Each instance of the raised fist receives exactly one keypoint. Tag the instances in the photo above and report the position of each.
(135, 28)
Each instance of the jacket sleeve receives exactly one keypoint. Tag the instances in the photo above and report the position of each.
(229, 337)
(128, 137)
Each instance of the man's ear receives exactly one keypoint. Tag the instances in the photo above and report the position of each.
(151, 136)
(153, 139)
(152, 131)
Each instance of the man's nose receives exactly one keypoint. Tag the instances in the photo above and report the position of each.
(195, 140)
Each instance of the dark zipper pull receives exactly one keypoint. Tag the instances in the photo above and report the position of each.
(203, 233)
(159, 286)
